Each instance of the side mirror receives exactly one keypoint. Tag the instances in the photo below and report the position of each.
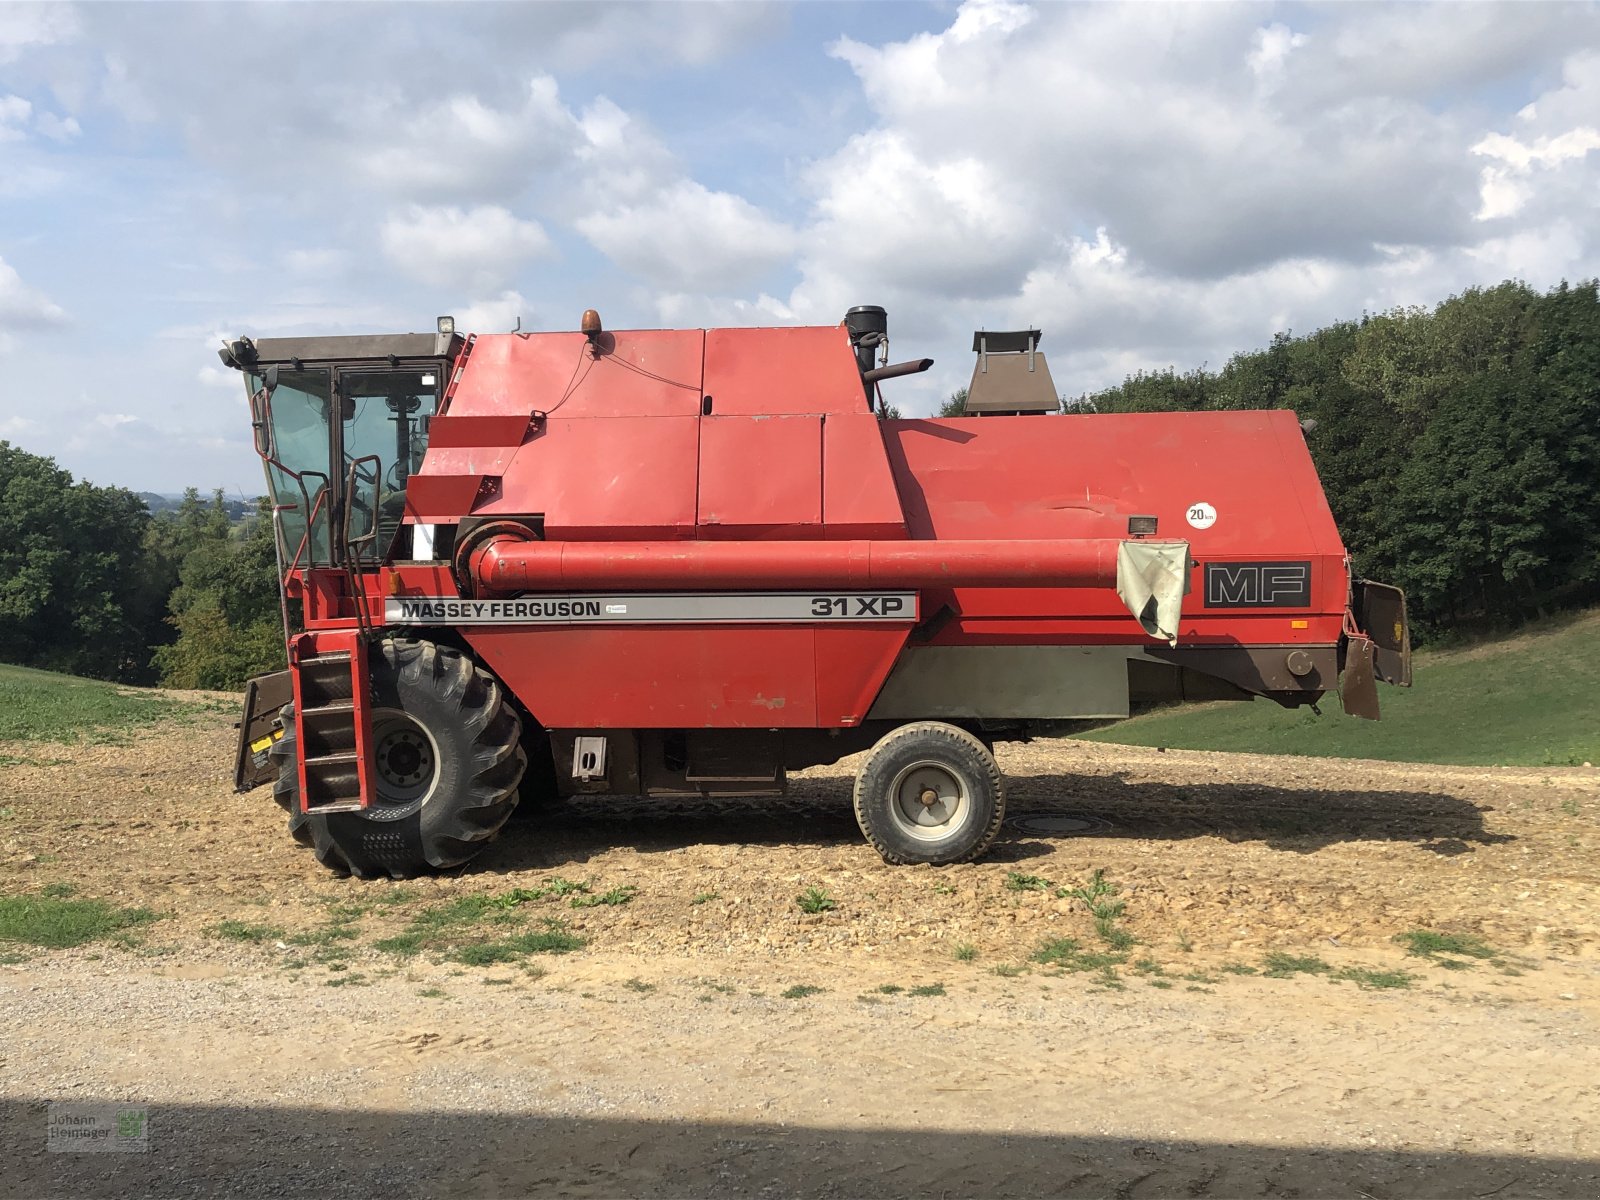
(261, 416)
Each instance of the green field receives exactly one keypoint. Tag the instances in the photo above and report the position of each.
(1530, 700)
(40, 706)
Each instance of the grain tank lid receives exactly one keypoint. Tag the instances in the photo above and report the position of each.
(1152, 580)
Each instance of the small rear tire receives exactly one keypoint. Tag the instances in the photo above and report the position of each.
(930, 793)
(449, 760)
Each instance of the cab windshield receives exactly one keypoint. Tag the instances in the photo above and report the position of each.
(382, 432)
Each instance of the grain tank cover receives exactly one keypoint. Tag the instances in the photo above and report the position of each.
(1011, 377)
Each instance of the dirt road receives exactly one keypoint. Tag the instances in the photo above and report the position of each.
(1264, 1033)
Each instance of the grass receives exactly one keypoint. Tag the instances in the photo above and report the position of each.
(1427, 943)
(1376, 980)
(1016, 881)
(617, 895)
(41, 706)
(1278, 965)
(451, 929)
(1066, 954)
(1099, 896)
(800, 991)
(244, 931)
(927, 989)
(58, 923)
(705, 898)
(815, 900)
(965, 952)
(635, 984)
(889, 989)
(1452, 951)
(553, 939)
(1527, 700)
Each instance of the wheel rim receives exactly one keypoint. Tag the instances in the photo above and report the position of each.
(928, 801)
(406, 758)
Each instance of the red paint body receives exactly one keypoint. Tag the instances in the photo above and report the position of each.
(749, 459)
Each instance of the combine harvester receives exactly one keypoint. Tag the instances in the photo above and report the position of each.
(685, 562)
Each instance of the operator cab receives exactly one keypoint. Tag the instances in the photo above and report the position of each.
(338, 486)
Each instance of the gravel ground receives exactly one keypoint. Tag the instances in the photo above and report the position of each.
(663, 1058)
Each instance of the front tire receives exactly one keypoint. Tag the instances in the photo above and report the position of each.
(930, 793)
(447, 756)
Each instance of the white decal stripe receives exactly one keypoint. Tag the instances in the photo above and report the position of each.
(697, 608)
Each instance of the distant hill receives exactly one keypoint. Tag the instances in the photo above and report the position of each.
(158, 503)
(1530, 699)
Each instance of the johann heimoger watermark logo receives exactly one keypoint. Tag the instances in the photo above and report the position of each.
(98, 1129)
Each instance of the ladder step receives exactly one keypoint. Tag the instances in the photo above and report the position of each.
(337, 806)
(338, 758)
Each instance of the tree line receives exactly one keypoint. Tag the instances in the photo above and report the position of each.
(92, 583)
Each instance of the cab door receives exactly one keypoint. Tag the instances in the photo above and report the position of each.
(381, 437)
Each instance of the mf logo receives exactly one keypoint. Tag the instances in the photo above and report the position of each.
(1258, 585)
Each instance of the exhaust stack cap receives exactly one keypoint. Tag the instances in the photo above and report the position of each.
(868, 327)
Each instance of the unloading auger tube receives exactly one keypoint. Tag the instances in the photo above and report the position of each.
(506, 564)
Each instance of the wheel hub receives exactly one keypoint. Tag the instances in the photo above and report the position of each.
(405, 757)
(929, 800)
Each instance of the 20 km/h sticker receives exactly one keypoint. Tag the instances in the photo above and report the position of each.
(661, 608)
(1201, 515)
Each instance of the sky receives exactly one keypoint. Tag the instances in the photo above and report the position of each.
(1151, 186)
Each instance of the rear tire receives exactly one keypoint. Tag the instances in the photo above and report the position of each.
(930, 793)
(450, 761)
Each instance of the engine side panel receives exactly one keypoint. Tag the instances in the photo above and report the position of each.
(1239, 486)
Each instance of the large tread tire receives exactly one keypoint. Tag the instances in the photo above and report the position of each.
(480, 763)
(286, 786)
(969, 767)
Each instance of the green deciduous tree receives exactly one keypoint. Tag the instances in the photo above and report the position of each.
(76, 591)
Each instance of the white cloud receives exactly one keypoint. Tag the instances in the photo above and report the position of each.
(1546, 161)
(689, 236)
(218, 377)
(25, 27)
(17, 115)
(473, 249)
(461, 146)
(685, 310)
(500, 314)
(1506, 185)
(316, 262)
(1269, 56)
(58, 128)
(14, 115)
(21, 305)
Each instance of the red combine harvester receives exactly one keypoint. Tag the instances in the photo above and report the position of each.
(687, 561)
